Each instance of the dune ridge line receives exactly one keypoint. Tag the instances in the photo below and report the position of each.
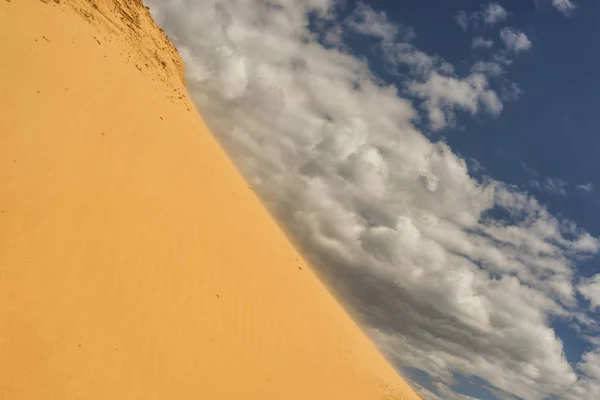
(135, 261)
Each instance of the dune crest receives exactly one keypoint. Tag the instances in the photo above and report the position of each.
(135, 262)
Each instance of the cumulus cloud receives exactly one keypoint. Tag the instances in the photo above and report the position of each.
(448, 274)
(445, 95)
(566, 7)
(515, 40)
(587, 386)
(495, 13)
(487, 16)
(433, 80)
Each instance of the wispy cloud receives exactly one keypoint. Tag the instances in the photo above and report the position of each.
(590, 289)
(488, 68)
(510, 91)
(564, 6)
(475, 166)
(462, 19)
(552, 185)
(421, 64)
(449, 394)
(528, 170)
(487, 16)
(371, 23)
(481, 43)
(588, 187)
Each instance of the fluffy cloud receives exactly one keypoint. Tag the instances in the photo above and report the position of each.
(588, 384)
(566, 7)
(494, 13)
(448, 274)
(444, 95)
(515, 40)
(434, 81)
(488, 16)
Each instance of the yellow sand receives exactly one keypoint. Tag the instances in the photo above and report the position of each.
(135, 262)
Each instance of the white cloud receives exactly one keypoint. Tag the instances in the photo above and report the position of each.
(481, 43)
(371, 23)
(462, 19)
(333, 35)
(488, 16)
(564, 6)
(449, 394)
(588, 385)
(530, 171)
(495, 13)
(391, 219)
(475, 166)
(423, 392)
(552, 185)
(515, 40)
(590, 289)
(488, 68)
(588, 187)
(556, 186)
(445, 95)
(586, 243)
(590, 364)
(397, 54)
(510, 91)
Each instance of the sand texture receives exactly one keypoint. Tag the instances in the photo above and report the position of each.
(135, 262)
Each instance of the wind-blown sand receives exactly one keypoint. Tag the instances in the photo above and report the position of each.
(135, 262)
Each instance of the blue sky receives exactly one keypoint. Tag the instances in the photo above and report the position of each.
(435, 161)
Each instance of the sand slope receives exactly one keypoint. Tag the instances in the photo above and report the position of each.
(135, 263)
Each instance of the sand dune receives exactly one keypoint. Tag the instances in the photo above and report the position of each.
(135, 262)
